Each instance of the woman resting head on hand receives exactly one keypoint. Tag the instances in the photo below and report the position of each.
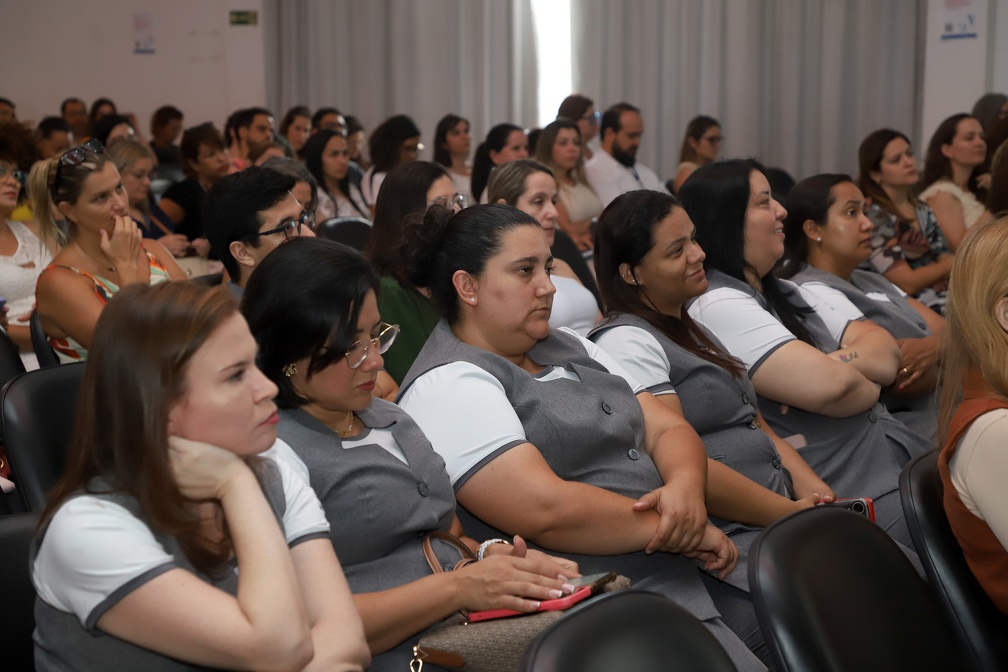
(312, 307)
(167, 532)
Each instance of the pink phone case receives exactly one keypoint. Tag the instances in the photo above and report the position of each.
(549, 605)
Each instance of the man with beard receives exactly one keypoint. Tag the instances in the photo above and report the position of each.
(614, 170)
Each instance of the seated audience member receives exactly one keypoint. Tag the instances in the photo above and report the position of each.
(700, 146)
(559, 147)
(166, 127)
(248, 214)
(827, 237)
(170, 542)
(614, 169)
(305, 190)
(649, 266)
(327, 158)
(581, 110)
(53, 137)
(504, 143)
(296, 127)
(548, 437)
(816, 371)
(973, 421)
(75, 113)
(328, 119)
(135, 163)
(451, 150)
(204, 161)
(997, 199)
(22, 254)
(104, 252)
(8, 111)
(244, 128)
(955, 157)
(261, 152)
(356, 142)
(312, 308)
(112, 126)
(989, 109)
(908, 246)
(530, 186)
(393, 142)
(99, 108)
(413, 187)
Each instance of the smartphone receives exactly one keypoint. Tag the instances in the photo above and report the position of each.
(547, 605)
(594, 581)
(862, 505)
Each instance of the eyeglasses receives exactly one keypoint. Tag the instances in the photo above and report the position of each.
(19, 175)
(455, 202)
(358, 352)
(291, 227)
(74, 157)
(595, 118)
(714, 139)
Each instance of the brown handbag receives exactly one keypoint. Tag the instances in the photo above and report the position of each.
(486, 646)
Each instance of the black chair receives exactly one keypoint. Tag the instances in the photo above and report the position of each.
(40, 343)
(834, 593)
(352, 231)
(37, 413)
(210, 280)
(17, 607)
(981, 627)
(631, 631)
(11, 365)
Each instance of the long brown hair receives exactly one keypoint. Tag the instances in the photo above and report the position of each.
(136, 371)
(972, 338)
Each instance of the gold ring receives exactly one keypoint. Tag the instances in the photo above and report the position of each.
(906, 371)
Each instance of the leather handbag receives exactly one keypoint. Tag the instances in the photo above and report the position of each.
(486, 646)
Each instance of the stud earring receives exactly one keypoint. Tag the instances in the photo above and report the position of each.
(818, 239)
(289, 370)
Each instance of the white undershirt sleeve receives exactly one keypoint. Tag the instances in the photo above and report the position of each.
(304, 517)
(979, 471)
(640, 354)
(746, 330)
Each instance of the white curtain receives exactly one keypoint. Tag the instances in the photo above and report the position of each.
(795, 83)
(376, 58)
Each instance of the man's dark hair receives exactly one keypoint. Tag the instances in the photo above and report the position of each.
(232, 206)
(241, 119)
(68, 101)
(611, 117)
(163, 115)
(51, 125)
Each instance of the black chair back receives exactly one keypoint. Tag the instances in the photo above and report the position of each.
(981, 627)
(17, 608)
(631, 631)
(834, 593)
(40, 343)
(352, 231)
(11, 365)
(37, 412)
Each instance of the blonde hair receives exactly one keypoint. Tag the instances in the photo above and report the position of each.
(972, 337)
(124, 152)
(508, 181)
(46, 194)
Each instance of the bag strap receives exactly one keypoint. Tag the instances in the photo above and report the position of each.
(450, 539)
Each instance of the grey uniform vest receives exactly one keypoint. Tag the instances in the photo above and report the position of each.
(858, 456)
(590, 431)
(63, 645)
(379, 509)
(897, 317)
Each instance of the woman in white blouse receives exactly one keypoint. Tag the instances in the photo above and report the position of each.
(559, 147)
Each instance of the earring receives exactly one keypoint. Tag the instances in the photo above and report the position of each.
(289, 370)
(472, 299)
(818, 239)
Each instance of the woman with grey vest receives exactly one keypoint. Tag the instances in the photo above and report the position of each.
(827, 238)
(546, 436)
(313, 309)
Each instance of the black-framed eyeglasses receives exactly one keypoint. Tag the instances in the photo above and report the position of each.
(358, 352)
(74, 157)
(291, 227)
(595, 118)
(19, 175)
(454, 202)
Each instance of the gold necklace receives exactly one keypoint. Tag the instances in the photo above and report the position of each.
(86, 254)
(346, 432)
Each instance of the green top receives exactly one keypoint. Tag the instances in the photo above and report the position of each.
(416, 317)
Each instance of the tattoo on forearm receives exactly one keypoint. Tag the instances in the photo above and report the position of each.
(847, 359)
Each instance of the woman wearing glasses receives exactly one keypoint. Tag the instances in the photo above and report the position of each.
(700, 146)
(22, 254)
(328, 160)
(104, 252)
(312, 307)
(581, 110)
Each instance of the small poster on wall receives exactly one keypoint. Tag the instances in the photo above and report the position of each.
(143, 34)
(959, 21)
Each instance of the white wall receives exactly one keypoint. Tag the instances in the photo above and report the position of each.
(998, 54)
(957, 72)
(53, 49)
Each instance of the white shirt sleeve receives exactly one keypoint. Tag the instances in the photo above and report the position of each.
(979, 470)
(304, 516)
(282, 452)
(820, 296)
(92, 548)
(465, 414)
(748, 331)
(640, 354)
(607, 360)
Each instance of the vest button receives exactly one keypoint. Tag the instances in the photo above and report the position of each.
(922, 325)
(872, 417)
(423, 489)
(776, 463)
(745, 398)
(752, 425)
(633, 454)
(606, 408)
